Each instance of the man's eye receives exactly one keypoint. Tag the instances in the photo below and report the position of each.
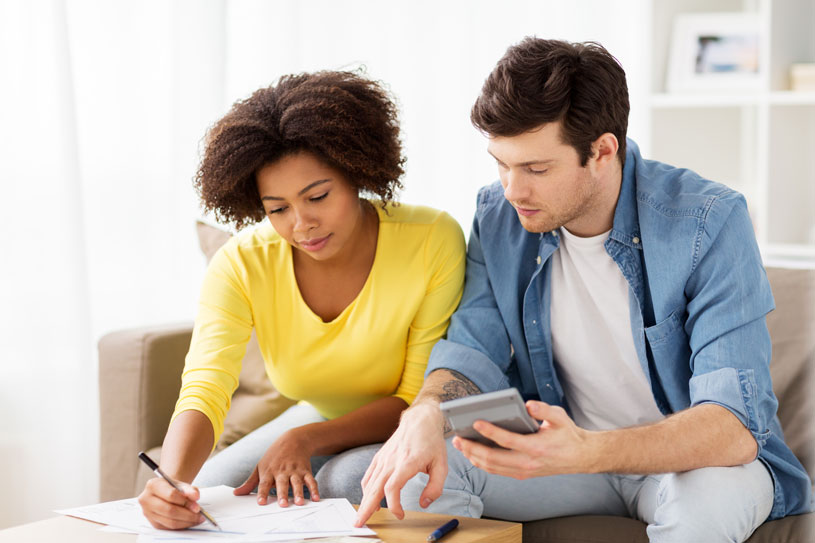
(537, 172)
(318, 198)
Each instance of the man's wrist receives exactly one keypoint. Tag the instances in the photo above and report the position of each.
(425, 411)
(596, 457)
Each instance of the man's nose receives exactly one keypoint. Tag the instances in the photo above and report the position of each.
(515, 188)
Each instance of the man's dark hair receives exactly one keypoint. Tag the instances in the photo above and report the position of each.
(346, 120)
(542, 81)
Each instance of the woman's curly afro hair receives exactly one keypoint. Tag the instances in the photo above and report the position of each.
(346, 120)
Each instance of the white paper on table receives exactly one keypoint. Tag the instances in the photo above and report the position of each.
(240, 518)
(224, 506)
(334, 519)
(116, 530)
(329, 517)
(121, 514)
(143, 538)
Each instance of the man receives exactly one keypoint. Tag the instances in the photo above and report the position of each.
(626, 300)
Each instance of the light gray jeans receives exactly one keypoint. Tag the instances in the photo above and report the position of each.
(708, 504)
(235, 464)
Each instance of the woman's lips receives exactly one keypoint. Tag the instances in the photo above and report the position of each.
(314, 244)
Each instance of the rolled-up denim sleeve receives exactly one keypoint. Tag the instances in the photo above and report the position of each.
(728, 299)
(477, 344)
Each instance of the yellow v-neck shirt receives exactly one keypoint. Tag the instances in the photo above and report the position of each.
(377, 347)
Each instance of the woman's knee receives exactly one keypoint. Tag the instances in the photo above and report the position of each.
(224, 469)
(341, 477)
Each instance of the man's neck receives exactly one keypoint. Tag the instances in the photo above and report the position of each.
(599, 217)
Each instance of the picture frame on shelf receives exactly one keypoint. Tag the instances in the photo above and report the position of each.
(716, 52)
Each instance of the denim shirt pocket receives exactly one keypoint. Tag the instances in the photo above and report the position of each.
(669, 333)
(667, 366)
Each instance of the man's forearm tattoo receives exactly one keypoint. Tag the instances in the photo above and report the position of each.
(459, 387)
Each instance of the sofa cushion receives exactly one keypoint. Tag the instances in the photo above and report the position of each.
(585, 529)
(255, 401)
(606, 529)
(792, 329)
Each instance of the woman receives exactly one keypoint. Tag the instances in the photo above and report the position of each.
(347, 294)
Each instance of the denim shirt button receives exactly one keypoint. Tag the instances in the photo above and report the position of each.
(554, 233)
(534, 322)
(636, 240)
(538, 260)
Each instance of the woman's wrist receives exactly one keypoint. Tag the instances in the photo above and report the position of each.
(306, 438)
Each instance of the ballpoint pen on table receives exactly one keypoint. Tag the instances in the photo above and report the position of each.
(442, 530)
(157, 470)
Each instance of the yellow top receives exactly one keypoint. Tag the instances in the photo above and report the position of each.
(377, 347)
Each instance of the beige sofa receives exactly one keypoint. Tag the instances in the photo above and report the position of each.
(139, 372)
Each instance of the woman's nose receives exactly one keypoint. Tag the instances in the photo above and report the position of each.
(303, 221)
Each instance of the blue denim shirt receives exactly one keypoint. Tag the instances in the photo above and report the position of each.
(698, 300)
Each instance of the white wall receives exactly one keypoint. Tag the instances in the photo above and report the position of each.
(103, 105)
(434, 56)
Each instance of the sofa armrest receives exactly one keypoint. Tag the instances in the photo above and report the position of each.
(139, 379)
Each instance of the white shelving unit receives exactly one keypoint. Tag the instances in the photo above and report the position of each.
(759, 142)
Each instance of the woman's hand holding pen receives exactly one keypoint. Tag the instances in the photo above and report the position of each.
(186, 446)
(168, 509)
(286, 463)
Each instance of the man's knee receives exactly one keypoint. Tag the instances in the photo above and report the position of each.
(712, 504)
(412, 491)
(458, 496)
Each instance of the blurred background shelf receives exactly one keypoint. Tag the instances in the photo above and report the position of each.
(759, 142)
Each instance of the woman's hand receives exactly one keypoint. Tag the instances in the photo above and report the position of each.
(168, 509)
(286, 463)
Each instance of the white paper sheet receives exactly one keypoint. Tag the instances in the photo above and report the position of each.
(240, 518)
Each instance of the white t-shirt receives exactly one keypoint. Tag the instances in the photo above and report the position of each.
(592, 342)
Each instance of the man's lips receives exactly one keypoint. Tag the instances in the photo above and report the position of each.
(314, 244)
(526, 212)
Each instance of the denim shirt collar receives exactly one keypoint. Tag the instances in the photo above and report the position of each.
(626, 226)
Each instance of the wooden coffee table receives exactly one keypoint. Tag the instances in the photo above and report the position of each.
(417, 526)
(413, 529)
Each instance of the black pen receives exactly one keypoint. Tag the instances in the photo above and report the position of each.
(443, 530)
(157, 470)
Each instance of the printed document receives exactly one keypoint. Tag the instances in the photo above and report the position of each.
(240, 518)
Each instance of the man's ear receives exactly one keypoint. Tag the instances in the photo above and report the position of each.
(604, 153)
